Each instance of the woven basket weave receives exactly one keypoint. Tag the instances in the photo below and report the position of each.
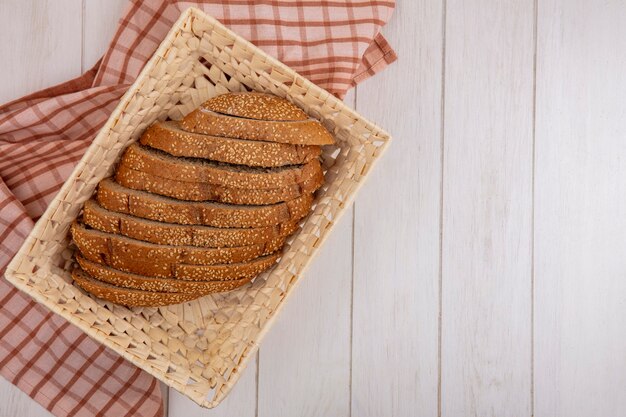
(199, 348)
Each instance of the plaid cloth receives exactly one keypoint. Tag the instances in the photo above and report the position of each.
(42, 136)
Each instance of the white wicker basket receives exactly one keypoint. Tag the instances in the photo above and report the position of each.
(200, 347)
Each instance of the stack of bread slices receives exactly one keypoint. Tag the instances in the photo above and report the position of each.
(202, 205)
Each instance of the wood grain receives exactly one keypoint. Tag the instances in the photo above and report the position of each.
(487, 209)
(396, 236)
(100, 23)
(40, 47)
(16, 403)
(580, 290)
(39, 44)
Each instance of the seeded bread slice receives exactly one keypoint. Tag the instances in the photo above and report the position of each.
(198, 191)
(159, 163)
(107, 221)
(184, 271)
(168, 137)
(225, 272)
(297, 132)
(139, 282)
(129, 297)
(125, 253)
(115, 197)
(260, 106)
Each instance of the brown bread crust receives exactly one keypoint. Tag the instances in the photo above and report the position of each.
(187, 271)
(150, 259)
(298, 132)
(115, 197)
(161, 164)
(198, 191)
(129, 297)
(127, 280)
(168, 137)
(254, 105)
(225, 272)
(107, 221)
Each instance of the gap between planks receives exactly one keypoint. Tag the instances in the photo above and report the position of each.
(442, 127)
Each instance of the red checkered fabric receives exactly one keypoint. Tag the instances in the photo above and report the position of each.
(334, 43)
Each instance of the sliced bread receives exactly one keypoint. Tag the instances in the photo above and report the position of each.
(128, 297)
(115, 197)
(198, 191)
(225, 272)
(127, 280)
(104, 220)
(159, 163)
(255, 105)
(186, 271)
(120, 252)
(170, 138)
(297, 132)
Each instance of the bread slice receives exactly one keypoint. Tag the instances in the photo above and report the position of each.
(225, 272)
(297, 132)
(185, 271)
(168, 137)
(139, 282)
(150, 259)
(129, 297)
(115, 197)
(255, 105)
(198, 191)
(107, 221)
(159, 163)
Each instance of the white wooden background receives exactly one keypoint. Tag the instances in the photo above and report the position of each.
(481, 272)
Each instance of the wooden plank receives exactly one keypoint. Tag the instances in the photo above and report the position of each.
(396, 242)
(16, 403)
(580, 211)
(241, 401)
(39, 44)
(99, 26)
(487, 209)
(305, 359)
